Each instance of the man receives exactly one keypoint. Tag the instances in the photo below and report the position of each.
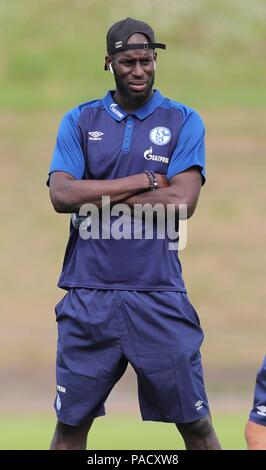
(255, 431)
(126, 299)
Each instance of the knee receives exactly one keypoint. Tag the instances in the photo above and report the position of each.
(68, 437)
(248, 433)
(255, 435)
(199, 429)
(66, 430)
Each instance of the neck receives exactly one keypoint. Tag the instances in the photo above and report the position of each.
(128, 104)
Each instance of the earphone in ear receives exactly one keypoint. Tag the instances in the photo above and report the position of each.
(111, 68)
(154, 65)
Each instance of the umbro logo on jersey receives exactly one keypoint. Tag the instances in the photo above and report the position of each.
(95, 135)
(158, 158)
(261, 410)
(199, 405)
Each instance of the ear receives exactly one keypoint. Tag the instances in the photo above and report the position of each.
(154, 60)
(108, 61)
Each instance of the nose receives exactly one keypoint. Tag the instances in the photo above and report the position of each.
(137, 70)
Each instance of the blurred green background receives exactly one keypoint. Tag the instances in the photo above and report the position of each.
(51, 58)
(52, 50)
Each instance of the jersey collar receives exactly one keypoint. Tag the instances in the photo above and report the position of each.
(119, 114)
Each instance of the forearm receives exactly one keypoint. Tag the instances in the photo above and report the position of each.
(69, 194)
(164, 196)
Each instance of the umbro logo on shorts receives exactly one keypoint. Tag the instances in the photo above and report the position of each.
(199, 404)
(261, 410)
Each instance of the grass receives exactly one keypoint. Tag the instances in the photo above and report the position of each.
(108, 433)
(52, 51)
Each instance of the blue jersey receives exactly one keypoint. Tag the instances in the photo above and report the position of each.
(99, 140)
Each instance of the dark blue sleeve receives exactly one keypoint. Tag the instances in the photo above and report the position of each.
(190, 149)
(68, 155)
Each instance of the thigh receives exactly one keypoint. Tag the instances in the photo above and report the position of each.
(89, 356)
(87, 336)
(162, 323)
(163, 346)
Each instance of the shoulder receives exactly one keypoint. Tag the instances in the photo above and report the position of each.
(188, 114)
(74, 114)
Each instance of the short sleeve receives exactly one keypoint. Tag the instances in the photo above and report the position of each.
(68, 155)
(190, 149)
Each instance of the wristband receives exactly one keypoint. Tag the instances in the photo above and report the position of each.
(155, 182)
(152, 179)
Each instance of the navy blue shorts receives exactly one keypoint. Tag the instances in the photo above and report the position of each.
(100, 331)
(258, 413)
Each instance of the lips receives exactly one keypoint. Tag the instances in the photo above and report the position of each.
(137, 86)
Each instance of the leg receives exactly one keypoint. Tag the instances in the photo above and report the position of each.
(199, 435)
(255, 431)
(255, 435)
(70, 437)
(168, 364)
(89, 363)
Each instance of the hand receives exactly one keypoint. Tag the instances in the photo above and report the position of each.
(162, 181)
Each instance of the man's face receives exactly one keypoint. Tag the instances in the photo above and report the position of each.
(134, 71)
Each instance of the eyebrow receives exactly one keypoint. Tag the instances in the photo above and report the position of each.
(126, 57)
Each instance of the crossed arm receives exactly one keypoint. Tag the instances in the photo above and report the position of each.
(68, 194)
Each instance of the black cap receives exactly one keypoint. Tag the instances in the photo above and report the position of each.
(119, 33)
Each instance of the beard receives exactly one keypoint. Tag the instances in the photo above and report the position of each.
(137, 98)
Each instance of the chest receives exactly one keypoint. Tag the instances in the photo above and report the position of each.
(116, 149)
